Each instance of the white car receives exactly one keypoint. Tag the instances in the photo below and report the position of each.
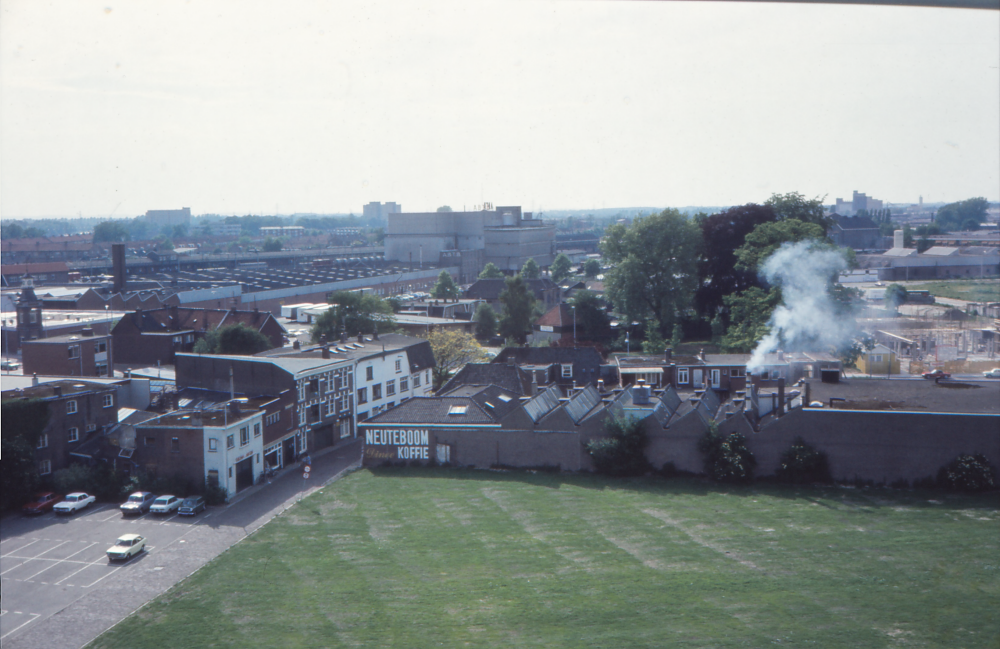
(74, 502)
(126, 547)
(165, 504)
(993, 374)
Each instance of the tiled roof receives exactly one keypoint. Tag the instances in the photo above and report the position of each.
(510, 378)
(434, 410)
(549, 355)
(561, 315)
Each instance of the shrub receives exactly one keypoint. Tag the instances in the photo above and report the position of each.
(803, 464)
(621, 452)
(99, 480)
(215, 494)
(75, 477)
(726, 459)
(970, 473)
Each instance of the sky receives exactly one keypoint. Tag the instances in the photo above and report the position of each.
(242, 107)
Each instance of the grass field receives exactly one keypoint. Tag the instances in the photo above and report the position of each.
(982, 290)
(452, 558)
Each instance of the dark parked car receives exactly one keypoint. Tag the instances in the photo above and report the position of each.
(44, 501)
(936, 374)
(137, 503)
(192, 506)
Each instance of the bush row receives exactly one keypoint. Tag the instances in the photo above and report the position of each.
(101, 481)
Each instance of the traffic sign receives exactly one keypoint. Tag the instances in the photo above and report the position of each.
(305, 475)
(307, 469)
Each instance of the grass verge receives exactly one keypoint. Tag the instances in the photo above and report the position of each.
(982, 290)
(436, 557)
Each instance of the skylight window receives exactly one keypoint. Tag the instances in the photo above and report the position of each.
(457, 410)
(503, 397)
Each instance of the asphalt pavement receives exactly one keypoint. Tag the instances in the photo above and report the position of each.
(58, 589)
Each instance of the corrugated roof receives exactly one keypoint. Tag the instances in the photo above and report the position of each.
(582, 402)
(543, 403)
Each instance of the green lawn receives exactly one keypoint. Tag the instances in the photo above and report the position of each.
(982, 290)
(450, 558)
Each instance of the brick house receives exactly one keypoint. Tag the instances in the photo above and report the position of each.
(555, 324)
(157, 335)
(565, 366)
(73, 355)
(78, 411)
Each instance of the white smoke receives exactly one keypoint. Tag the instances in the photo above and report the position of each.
(807, 318)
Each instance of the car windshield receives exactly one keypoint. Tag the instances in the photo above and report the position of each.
(190, 502)
(125, 542)
(136, 498)
(162, 501)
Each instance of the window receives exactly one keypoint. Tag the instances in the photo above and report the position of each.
(272, 418)
(331, 407)
(775, 375)
(70, 407)
(338, 383)
(150, 440)
(427, 377)
(344, 403)
(74, 351)
(189, 338)
(362, 395)
(345, 428)
(302, 391)
(175, 445)
(108, 401)
(458, 410)
(302, 416)
(313, 388)
(91, 428)
(43, 440)
(101, 369)
(102, 346)
(244, 435)
(369, 373)
(399, 365)
(390, 405)
(404, 383)
(178, 340)
(567, 371)
(736, 372)
(230, 441)
(45, 467)
(682, 375)
(390, 388)
(256, 430)
(212, 478)
(73, 434)
(213, 444)
(376, 391)
(322, 386)
(876, 358)
(416, 380)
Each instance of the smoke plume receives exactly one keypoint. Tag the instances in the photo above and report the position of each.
(807, 318)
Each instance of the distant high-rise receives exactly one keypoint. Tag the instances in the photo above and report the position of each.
(169, 217)
(381, 211)
(859, 201)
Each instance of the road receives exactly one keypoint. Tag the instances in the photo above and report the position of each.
(58, 589)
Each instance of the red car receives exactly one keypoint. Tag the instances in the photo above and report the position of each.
(44, 501)
(936, 374)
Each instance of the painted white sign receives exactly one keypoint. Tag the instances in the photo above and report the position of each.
(410, 444)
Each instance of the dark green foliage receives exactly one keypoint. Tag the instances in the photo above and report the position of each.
(561, 267)
(233, 339)
(23, 421)
(99, 480)
(621, 453)
(353, 312)
(490, 271)
(530, 270)
(272, 244)
(803, 464)
(592, 268)
(726, 459)
(749, 314)
(794, 205)
(519, 307)
(654, 342)
(444, 208)
(214, 494)
(963, 215)
(111, 231)
(766, 238)
(895, 295)
(969, 473)
(445, 289)
(592, 321)
(486, 321)
(18, 231)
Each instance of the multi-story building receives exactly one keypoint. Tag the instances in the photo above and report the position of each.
(78, 410)
(380, 211)
(83, 354)
(291, 231)
(161, 218)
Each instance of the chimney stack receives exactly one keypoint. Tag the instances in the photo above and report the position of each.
(296, 345)
(34, 379)
(87, 332)
(781, 396)
(600, 385)
(808, 395)
(118, 267)
(361, 338)
(326, 352)
(667, 353)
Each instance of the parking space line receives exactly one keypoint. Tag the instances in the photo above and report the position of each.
(110, 517)
(50, 549)
(168, 519)
(34, 616)
(85, 566)
(79, 551)
(19, 549)
(111, 572)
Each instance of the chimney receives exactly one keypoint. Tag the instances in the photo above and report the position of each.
(701, 354)
(234, 407)
(534, 384)
(361, 338)
(34, 379)
(808, 395)
(326, 352)
(118, 267)
(510, 360)
(640, 393)
(232, 391)
(781, 396)
(781, 355)
(667, 353)
(87, 332)
(600, 385)
(296, 345)
(57, 390)
(343, 336)
(375, 335)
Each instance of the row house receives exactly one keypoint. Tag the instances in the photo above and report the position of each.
(83, 354)
(78, 411)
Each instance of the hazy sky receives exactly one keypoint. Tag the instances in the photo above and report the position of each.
(256, 107)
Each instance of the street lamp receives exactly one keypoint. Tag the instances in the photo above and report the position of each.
(573, 306)
(628, 348)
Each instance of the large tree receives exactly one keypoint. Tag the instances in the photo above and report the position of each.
(520, 309)
(794, 205)
(233, 339)
(452, 350)
(530, 270)
(592, 268)
(654, 264)
(561, 267)
(115, 231)
(749, 318)
(353, 312)
(445, 288)
(768, 237)
(964, 215)
(490, 271)
(723, 234)
(592, 321)
(486, 321)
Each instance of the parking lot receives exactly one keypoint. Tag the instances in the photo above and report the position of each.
(49, 561)
(59, 589)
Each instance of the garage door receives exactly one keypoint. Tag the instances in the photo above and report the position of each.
(244, 474)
